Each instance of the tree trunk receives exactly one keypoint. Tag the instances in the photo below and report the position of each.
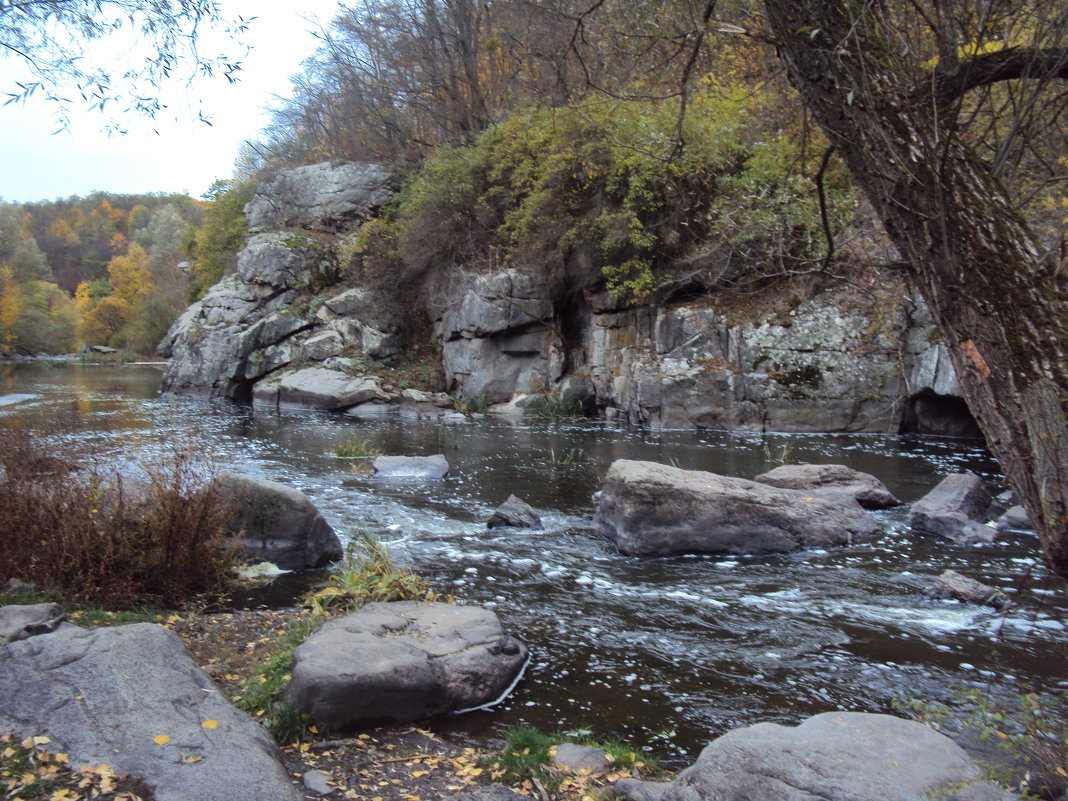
(1000, 306)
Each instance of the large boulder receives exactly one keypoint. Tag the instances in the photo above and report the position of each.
(277, 523)
(954, 510)
(320, 388)
(650, 509)
(865, 488)
(836, 756)
(403, 661)
(322, 197)
(132, 698)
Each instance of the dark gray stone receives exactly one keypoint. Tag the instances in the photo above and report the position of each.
(403, 661)
(20, 621)
(953, 510)
(1015, 518)
(424, 467)
(952, 584)
(640, 790)
(652, 509)
(105, 696)
(514, 513)
(865, 488)
(836, 756)
(277, 523)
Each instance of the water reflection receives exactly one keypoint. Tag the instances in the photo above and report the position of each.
(668, 652)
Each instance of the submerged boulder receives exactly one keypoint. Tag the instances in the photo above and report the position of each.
(952, 584)
(865, 488)
(650, 509)
(954, 510)
(836, 756)
(426, 467)
(132, 698)
(277, 523)
(403, 661)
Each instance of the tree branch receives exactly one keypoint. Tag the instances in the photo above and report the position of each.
(1005, 65)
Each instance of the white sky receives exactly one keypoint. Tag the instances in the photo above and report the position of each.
(161, 155)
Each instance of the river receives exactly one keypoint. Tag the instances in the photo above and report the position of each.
(667, 653)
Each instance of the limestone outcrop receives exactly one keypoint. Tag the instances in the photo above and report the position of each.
(836, 361)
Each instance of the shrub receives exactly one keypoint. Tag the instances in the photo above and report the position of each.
(98, 537)
(555, 408)
(356, 448)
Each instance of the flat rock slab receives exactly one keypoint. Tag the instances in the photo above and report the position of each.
(836, 756)
(425, 467)
(19, 621)
(131, 697)
(652, 509)
(864, 488)
(403, 661)
(320, 388)
(278, 524)
(952, 584)
(954, 511)
(514, 513)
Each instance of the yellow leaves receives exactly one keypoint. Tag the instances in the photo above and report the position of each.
(210, 724)
(417, 773)
(161, 739)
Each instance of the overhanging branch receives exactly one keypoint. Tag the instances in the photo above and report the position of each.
(1018, 63)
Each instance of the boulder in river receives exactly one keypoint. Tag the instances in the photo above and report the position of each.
(651, 509)
(865, 488)
(954, 510)
(952, 584)
(132, 698)
(1015, 518)
(425, 467)
(403, 661)
(514, 513)
(278, 524)
(836, 756)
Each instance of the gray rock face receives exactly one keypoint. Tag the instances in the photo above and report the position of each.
(403, 661)
(321, 197)
(105, 696)
(952, 584)
(652, 509)
(514, 513)
(865, 488)
(319, 388)
(836, 756)
(954, 511)
(278, 524)
(420, 467)
(20, 621)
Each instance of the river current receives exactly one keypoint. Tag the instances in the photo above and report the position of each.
(667, 653)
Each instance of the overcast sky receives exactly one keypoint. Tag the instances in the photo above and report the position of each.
(162, 155)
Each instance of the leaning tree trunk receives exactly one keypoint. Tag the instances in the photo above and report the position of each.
(1001, 308)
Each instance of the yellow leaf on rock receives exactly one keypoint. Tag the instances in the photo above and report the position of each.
(161, 739)
(417, 773)
(210, 724)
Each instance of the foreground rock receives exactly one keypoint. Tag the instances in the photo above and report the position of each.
(952, 584)
(651, 509)
(426, 467)
(278, 524)
(403, 661)
(20, 621)
(837, 756)
(131, 697)
(865, 488)
(954, 510)
(514, 513)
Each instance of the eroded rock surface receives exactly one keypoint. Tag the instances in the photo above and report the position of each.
(954, 510)
(653, 509)
(865, 488)
(403, 661)
(131, 697)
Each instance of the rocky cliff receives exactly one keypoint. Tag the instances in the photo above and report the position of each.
(287, 328)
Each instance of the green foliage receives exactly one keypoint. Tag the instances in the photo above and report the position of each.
(1030, 726)
(554, 408)
(221, 235)
(367, 574)
(476, 404)
(356, 448)
(95, 537)
(261, 696)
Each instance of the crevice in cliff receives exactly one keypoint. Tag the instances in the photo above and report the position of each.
(927, 412)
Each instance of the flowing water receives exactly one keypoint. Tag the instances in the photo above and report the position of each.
(667, 653)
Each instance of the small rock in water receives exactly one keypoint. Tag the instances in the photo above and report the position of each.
(425, 467)
(952, 584)
(514, 513)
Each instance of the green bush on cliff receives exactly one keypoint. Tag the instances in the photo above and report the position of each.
(611, 181)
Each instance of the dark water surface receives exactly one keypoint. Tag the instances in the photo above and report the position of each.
(667, 653)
